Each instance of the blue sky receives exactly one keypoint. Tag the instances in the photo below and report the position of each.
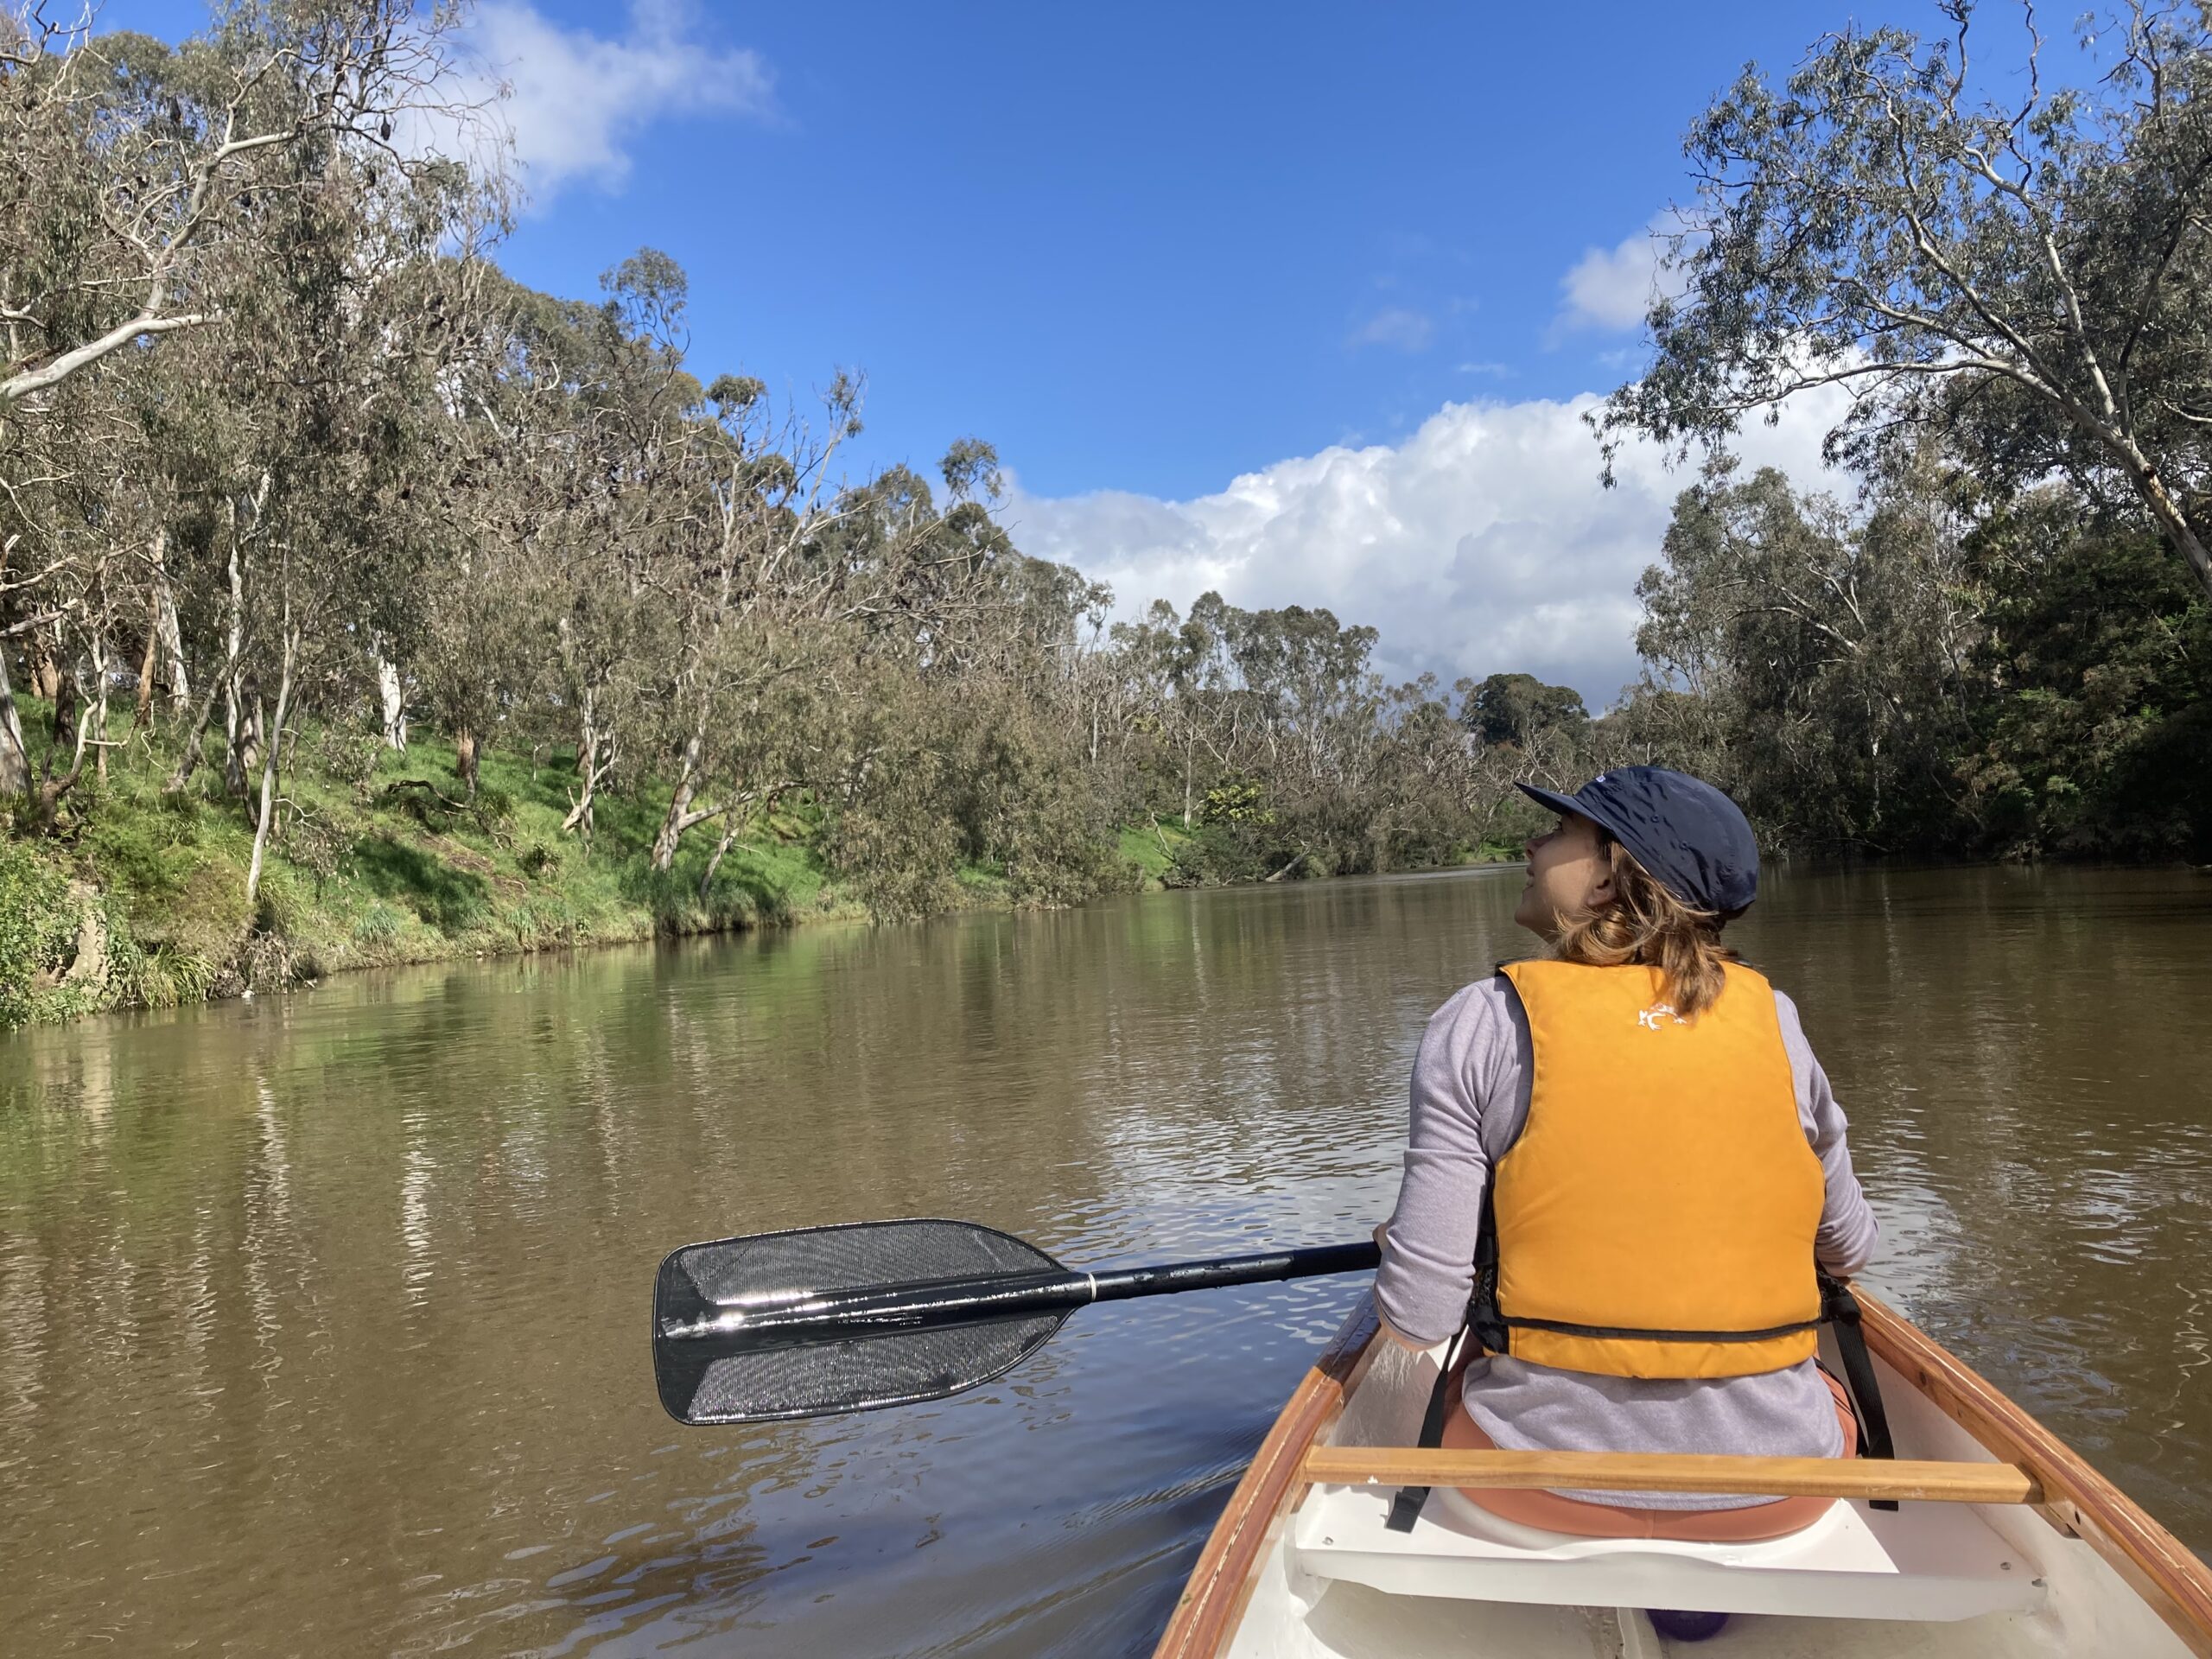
(1292, 300)
(1150, 247)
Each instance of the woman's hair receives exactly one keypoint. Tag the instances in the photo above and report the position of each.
(1647, 923)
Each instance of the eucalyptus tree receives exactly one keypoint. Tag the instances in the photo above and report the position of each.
(1830, 650)
(133, 166)
(2029, 274)
(338, 353)
(748, 591)
(588, 425)
(160, 196)
(1318, 700)
(1187, 683)
(1518, 709)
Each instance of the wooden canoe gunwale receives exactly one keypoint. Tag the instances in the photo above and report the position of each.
(2170, 1579)
(1214, 1596)
(2155, 1564)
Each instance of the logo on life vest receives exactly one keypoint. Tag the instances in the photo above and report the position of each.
(1650, 1019)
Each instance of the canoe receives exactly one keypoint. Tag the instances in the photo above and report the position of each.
(2003, 1542)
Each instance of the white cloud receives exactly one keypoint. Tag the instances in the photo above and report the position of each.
(1482, 544)
(576, 100)
(1397, 326)
(1612, 288)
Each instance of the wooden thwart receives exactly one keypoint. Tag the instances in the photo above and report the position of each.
(1624, 1472)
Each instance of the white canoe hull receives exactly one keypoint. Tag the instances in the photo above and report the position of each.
(1298, 1571)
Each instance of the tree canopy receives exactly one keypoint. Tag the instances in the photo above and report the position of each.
(2026, 274)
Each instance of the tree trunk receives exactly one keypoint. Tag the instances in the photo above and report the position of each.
(195, 740)
(64, 717)
(672, 826)
(245, 735)
(45, 668)
(2179, 531)
(680, 817)
(465, 759)
(188, 758)
(269, 762)
(588, 767)
(587, 731)
(721, 847)
(143, 714)
(168, 634)
(99, 700)
(231, 734)
(48, 794)
(15, 754)
(394, 704)
(234, 649)
(144, 709)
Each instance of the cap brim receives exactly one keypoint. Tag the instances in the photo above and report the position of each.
(1554, 800)
(1593, 811)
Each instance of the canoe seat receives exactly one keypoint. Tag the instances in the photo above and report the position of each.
(1922, 1561)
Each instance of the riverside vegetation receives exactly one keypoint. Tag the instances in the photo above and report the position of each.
(359, 605)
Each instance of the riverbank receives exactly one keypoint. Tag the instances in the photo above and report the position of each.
(134, 898)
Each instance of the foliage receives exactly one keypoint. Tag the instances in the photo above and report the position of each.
(36, 927)
(2025, 277)
(1520, 709)
(2031, 680)
(2095, 715)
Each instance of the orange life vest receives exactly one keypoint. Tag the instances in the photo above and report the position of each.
(1656, 1217)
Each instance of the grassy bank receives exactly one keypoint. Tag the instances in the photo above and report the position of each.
(133, 897)
(136, 898)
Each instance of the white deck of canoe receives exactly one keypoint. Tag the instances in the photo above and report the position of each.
(1945, 1581)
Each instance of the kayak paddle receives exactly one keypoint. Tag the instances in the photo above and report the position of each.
(824, 1320)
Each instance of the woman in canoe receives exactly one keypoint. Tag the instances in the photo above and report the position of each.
(1626, 1155)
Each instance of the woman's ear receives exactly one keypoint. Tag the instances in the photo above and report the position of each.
(1602, 891)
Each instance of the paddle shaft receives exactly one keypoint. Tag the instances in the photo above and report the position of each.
(806, 1316)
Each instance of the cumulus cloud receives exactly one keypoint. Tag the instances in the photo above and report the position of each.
(576, 100)
(1482, 544)
(1397, 326)
(1612, 288)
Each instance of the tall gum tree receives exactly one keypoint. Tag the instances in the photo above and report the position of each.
(2032, 277)
(102, 246)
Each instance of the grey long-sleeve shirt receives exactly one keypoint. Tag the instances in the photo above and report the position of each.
(1470, 1099)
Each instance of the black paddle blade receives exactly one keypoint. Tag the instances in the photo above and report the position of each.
(803, 1364)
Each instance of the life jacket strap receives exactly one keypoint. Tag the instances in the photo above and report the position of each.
(1405, 1509)
(1636, 1334)
(1839, 1308)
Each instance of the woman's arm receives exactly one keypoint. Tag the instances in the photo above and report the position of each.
(1845, 1240)
(1429, 1248)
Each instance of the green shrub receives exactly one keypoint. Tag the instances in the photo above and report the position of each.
(494, 810)
(318, 844)
(37, 926)
(164, 977)
(280, 910)
(540, 860)
(349, 755)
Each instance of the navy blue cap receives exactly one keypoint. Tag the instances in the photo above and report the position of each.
(1694, 840)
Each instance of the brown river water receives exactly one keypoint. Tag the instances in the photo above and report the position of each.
(323, 1318)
